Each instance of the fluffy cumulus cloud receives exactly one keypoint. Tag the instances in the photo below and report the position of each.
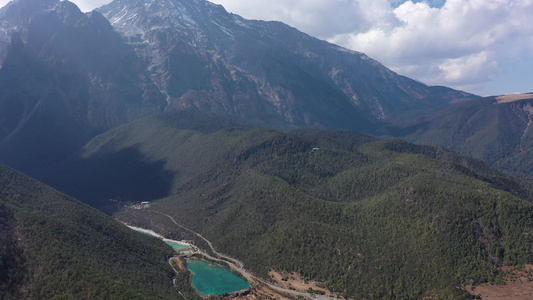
(88, 5)
(460, 44)
(317, 17)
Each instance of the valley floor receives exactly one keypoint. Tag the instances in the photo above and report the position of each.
(295, 288)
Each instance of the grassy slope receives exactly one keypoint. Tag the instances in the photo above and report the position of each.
(56, 247)
(481, 129)
(373, 219)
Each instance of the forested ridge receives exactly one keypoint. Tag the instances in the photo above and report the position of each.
(371, 219)
(54, 247)
(498, 133)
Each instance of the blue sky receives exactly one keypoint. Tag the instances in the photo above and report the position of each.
(480, 46)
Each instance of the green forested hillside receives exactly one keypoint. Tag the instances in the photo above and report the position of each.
(372, 219)
(498, 133)
(54, 247)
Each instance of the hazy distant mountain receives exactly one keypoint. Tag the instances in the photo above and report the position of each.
(202, 56)
(66, 77)
(497, 130)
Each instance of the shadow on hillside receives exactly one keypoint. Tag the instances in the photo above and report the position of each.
(108, 181)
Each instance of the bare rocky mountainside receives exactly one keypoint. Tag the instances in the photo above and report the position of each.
(200, 55)
(67, 76)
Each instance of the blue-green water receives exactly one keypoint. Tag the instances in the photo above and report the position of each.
(209, 278)
(175, 245)
(147, 233)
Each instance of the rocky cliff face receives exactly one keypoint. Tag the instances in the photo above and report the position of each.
(66, 76)
(202, 56)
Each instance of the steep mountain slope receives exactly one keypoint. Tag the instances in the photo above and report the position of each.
(202, 56)
(54, 247)
(66, 77)
(496, 131)
(372, 219)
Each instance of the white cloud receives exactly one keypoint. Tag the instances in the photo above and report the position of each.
(475, 67)
(320, 18)
(468, 72)
(88, 5)
(459, 44)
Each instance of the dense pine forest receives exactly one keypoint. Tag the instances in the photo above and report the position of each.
(496, 132)
(369, 218)
(54, 247)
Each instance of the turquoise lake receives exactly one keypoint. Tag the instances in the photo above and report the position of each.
(176, 246)
(209, 278)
